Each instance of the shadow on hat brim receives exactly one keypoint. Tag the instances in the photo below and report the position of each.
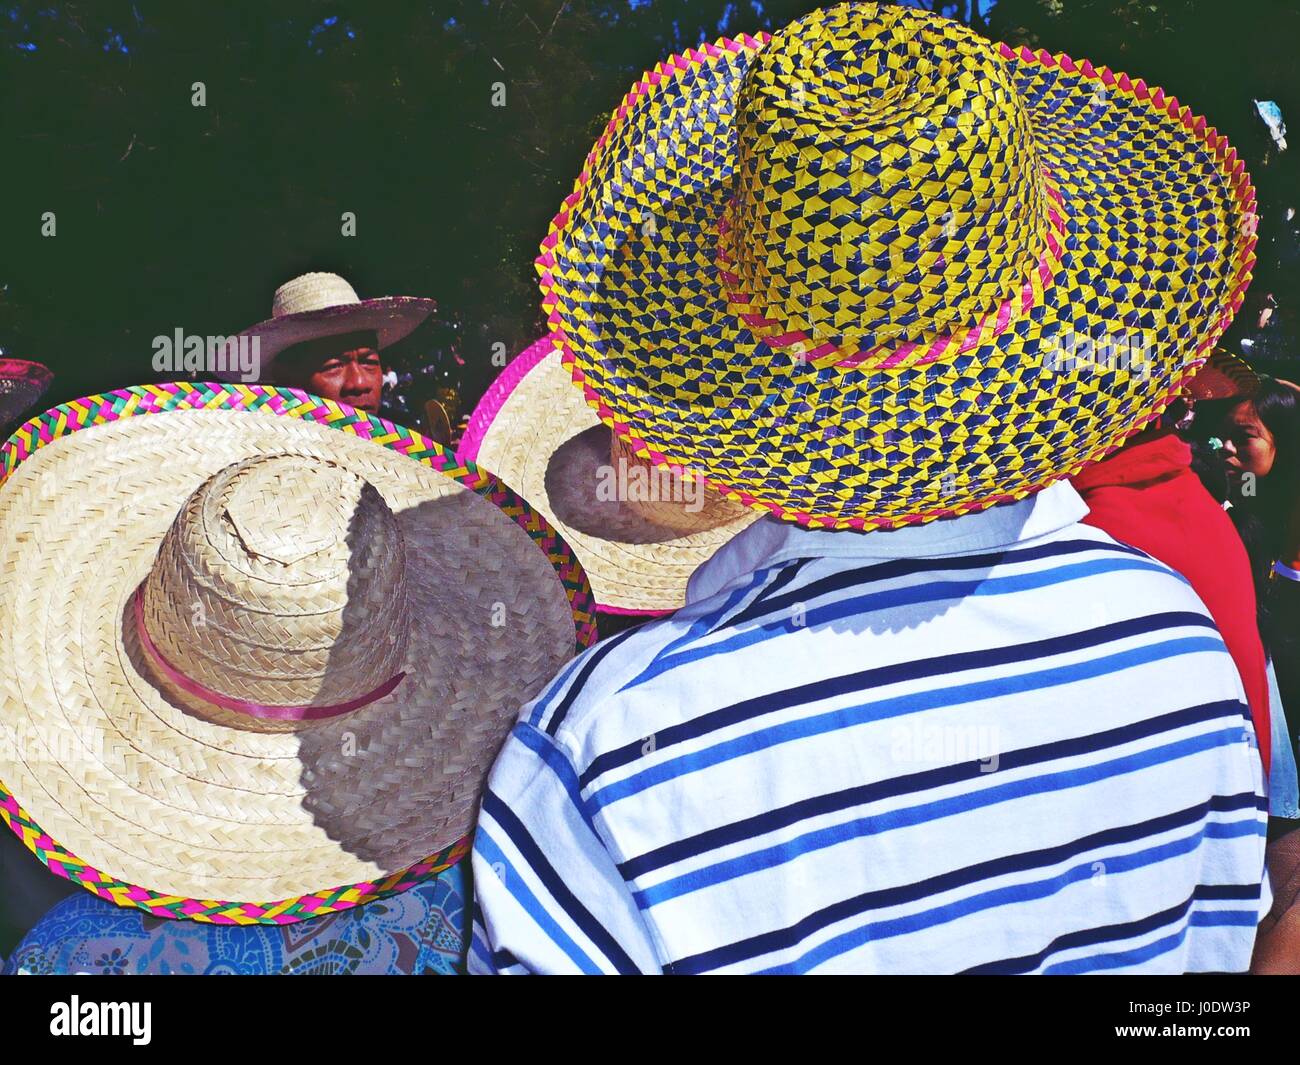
(579, 468)
(533, 430)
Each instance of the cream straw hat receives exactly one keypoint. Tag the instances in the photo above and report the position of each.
(640, 542)
(259, 649)
(322, 304)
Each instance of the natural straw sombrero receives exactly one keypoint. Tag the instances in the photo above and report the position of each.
(22, 383)
(875, 270)
(257, 649)
(318, 305)
(638, 544)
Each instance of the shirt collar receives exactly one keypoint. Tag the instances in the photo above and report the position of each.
(771, 541)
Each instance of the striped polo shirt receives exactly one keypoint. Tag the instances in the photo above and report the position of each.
(1001, 743)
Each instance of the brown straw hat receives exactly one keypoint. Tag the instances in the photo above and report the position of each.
(1224, 376)
(259, 649)
(318, 305)
(638, 530)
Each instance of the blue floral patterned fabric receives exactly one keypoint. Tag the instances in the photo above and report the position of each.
(422, 930)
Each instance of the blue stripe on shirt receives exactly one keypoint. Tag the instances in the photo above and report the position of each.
(907, 817)
(1088, 937)
(883, 898)
(877, 572)
(864, 680)
(1200, 919)
(899, 705)
(914, 783)
(523, 841)
(1116, 865)
(889, 600)
(487, 847)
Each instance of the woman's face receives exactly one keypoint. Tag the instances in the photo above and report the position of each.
(1248, 446)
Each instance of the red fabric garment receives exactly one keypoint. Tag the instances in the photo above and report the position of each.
(1147, 496)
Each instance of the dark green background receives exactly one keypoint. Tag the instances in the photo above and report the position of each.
(171, 216)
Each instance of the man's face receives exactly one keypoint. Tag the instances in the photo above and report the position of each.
(346, 368)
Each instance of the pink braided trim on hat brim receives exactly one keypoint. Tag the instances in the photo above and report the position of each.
(987, 327)
(26, 370)
(485, 413)
(489, 406)
(631, 612)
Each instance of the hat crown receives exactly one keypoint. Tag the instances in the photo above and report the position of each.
(887, 186)
(312, 292)
(280, 583)
(275, 520)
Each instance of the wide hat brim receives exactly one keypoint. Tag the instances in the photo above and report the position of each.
(133, 788)
(393, 317)
(533, 430)
(22, 383)
(1156, 215)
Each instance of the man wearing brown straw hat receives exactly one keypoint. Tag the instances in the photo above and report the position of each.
(864, 276)
(321, 337)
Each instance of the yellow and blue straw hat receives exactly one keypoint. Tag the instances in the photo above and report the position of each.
(876, 270)
(258, 649)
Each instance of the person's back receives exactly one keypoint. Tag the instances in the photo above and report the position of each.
(876, 287)
(998, 743)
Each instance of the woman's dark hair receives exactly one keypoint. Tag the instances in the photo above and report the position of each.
(1278, 407)
(1264, 515)
(1207, 462)
(1263, 518)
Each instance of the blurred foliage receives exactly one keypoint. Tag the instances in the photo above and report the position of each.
(1217, 58)
(171, 216)
(174, 216)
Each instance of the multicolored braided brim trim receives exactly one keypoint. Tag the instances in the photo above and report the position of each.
(1032, 436)
(143, 400)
